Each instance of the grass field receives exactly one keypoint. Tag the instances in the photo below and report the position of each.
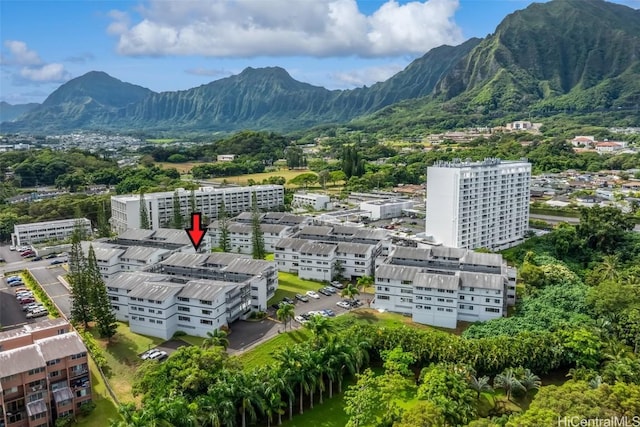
(183, 168)
(258, 177)
(105, 408)
(161, 140)
(263, 354)
(289, 285)
(122, 359)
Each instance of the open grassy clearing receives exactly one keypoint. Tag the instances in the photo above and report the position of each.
(183, 168)
(258, 177)
(161, 140)
(105, 408)
(122, 359)
(263, 354)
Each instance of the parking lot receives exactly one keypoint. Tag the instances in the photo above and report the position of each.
(11, 314)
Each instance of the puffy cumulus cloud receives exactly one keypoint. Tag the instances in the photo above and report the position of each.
(245, 28)
(365, 76)
(20, 54)
(45, 74)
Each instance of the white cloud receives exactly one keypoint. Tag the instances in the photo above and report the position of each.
(210, 72)
(365, 76)
(244, 28)
(46, 73)
(20, 54)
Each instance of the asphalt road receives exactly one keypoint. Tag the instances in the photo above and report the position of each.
(11, 314)
(47, 276)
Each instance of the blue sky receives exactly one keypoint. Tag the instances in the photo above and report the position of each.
(175, 45)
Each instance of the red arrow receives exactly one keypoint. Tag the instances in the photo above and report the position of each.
(197, 231)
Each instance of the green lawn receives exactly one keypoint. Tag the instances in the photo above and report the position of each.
(329, 414)
(122, 359)
(262, 354)
(105, 408)
(197, 341)
(290, 284)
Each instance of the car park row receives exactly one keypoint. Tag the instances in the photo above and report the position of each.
(26, 298)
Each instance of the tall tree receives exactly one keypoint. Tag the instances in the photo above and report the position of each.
(178, 219)
(216, 338)
(100, 303)
(80, 288)
(102, 222)
(285, 313)
(223, 223)
(144, 213)
(257, 237)
(350, 291)
(508, 381)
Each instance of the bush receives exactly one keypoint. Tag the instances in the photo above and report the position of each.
(87, 408)
(93, 348)
(179, 334)
(65, 421)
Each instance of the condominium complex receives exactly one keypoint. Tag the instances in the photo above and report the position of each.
(159, 305)
(36, 232)
(441, 285)
(125, 210)
(316, 202)
(478, 204)
(44, 374)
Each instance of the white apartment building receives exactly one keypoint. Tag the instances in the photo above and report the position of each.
(260, 275)
(385, 209)
(241, 235)
(439, 286)
(125, 209)
(478, 204)
(36, 232)
(318, 260)
(317, 202)
(159, 305)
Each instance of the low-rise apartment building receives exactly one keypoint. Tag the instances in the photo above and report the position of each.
(439, 285)
(125, 209)
(159, 305)
(241, 235)
(44, 374)
(317, 202)
(36, 232)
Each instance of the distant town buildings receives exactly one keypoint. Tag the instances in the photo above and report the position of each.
(441, 285)
(44, 374)
(478, 204)
(36, 232)
(125, 209)
(225, 157)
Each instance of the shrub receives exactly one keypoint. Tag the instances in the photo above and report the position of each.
(93, 348)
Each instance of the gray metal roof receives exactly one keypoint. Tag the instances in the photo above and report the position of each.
(354, 248)
(447, 252)
(248, 266)
(158, 291)
(396, 272)
(272, 228)
(221, 259)
(185, 260)
(60, 346)
(170, 235)
(274, 215)
(103, 251)
(371, 234)
(236, 227)
(291, 242)
(142, 253)
(244, 216)
(292, 219)
(437, 281)
(132, 280)
(422, 254)
(317, 248)
(136, 234)
(206, 290)
(479, 258)
(20, 360)
(344, 230)
(481, 280)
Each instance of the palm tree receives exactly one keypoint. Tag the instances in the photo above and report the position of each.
(290, 371)
(350, 291)
(360, 358)
(249, 398)
(508, 382)
(363, 282)
(320, 327)
(285, 313)
(216, 338)
(608, 268)
(530, 381)
(480, 384)
(276, 384)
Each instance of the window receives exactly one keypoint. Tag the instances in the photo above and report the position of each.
(383, 297)
(184, 318)
(35, 371)
(206, 322)
(449, 310)
(182, 308)
(497, 301)
(492, 310)
(54, 374)
(183, 299)
(206, 312)
(487, 300)
(53, 362)
(203, 302)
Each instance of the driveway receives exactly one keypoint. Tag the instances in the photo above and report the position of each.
(11, 314)
(47, 276)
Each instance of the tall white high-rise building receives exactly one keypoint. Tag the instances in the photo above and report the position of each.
(478, 204)
(125, 209)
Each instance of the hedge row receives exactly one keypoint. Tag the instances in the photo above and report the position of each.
(93, 347)
(33, 284)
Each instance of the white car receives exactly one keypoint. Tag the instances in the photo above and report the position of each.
(318, 313)
(313, 294)
(12, 248)
(160, 355)
(343, 304)
(37, 313)
(149, 354)
(300, 319)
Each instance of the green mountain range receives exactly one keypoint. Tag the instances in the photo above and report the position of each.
(560, 56)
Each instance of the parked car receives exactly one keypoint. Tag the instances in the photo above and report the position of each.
(2, 260)
(337, 284)
(160, 355)
(33, 306)
(26, 300)
(31, 255)
(331, 289)
(24, 294)
(329, 312)
(13, 279)
(17, 291)
(57, 261)
(355, 303)
(50, 256)
(27, 253)
(16, 283)
(325, 292)
(288, 300)
(343, 304)
(12, 248)
(276, 305)
(302, 298)
(313, 294)
(38, 258)
(300, 319)
(37, 313)
(147, 354)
